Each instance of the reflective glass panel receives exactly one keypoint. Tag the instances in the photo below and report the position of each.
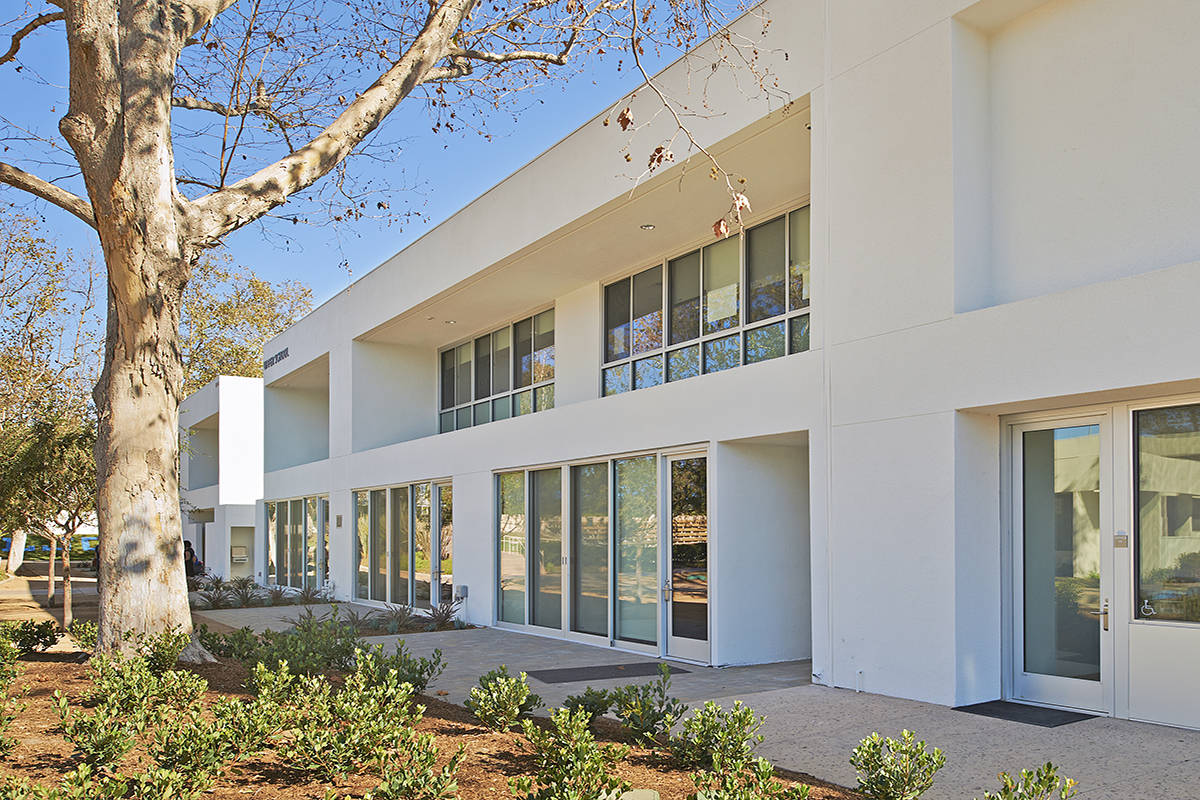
(616, 320)
(511, 530)
(445, 422)
(271, 523)
(445, 566)
(616, 379)
(637, 549)
(683, 363)
(589, 544)
(684, 299)
(310, 543)
(721, 298)
(1061, 540)
(647, 333)
(379, 544)
(765, 267)
(800, 334)
(545, 522)
(281, 543)
(401, 574)
(296, 545)
(500, 360)
(1168, 524)
(462, 377)
(799, 277)
(422, 541)
(463, 418)
(648, 372)
(543, 346)
(325, 540)
(502, 408)
(523, 353)
(765, 343)
(689, 548)
(483, 367)
(483, 413)
(448, 378)
(722, 354)
(543, 397)
(522, 403)
(362, 541)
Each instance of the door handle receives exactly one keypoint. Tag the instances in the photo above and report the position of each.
(666, 590)
(1102, 613)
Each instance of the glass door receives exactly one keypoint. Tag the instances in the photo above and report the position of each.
(1062, 638)
(443, 546)
(635, 546)
(590, 552)
(422, 534)
(685, 587)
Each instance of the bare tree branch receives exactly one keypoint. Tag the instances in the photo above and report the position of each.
(259, 105)
(60, 197)
(44, 19)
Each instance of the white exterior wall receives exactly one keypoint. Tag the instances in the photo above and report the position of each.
(1003, 220)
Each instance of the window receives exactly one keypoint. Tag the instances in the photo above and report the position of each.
(502, 374)
(298, 542)
(738, 301)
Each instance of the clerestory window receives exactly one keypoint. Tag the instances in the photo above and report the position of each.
(506, 373)
(738, 301)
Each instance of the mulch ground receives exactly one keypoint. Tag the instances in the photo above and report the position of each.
(43, 756)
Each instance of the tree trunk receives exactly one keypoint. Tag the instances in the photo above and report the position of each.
(16, 552)
(50, 575)
(66, 565)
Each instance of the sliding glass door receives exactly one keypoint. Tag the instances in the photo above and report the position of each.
(405, 544)
(687, 579)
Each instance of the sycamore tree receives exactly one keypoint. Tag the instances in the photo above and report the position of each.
(187, 120)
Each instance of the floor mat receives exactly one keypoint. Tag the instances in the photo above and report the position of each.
(602, 672)
(1030, 715)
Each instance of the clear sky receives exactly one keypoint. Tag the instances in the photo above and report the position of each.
(448, 170)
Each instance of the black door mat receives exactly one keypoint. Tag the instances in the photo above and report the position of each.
(1030, 715)
(602, 672)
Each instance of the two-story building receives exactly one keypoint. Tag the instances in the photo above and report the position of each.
(932, 419)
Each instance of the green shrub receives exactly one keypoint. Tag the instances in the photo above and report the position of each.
(242, 644)
(129, 688)
(9, 669)
(165, 784)
(9, 709)
(411, 771)
(647, 710)
(394, 619)
(712, 732)
(28, 635)
(101, 738)
(161, 650)
(245, 592)
(596, 702)
(334, 734)
(752, 779)
(193, 747)
(81, 783)
(890, 769)
(1041, 784)
(313, 644)
(500, 699)
(569, 764)
(85, 634)
(412, 670)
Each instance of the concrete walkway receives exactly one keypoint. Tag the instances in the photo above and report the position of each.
(813, 729)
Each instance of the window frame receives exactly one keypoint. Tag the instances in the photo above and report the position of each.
(795, 322)
(477, 410)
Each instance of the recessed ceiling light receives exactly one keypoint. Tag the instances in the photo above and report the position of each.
(450, 322)
(647, 227)
(429, 318)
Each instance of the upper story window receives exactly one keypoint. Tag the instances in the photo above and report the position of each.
(738, 301)
(506, 373)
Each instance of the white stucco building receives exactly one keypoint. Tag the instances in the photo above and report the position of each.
(932, 421)
(221, 472)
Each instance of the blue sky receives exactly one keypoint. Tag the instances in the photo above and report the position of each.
(448, 170)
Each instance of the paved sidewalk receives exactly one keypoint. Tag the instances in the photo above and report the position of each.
(813, 729)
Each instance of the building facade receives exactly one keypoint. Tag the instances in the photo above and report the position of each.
(930, 419)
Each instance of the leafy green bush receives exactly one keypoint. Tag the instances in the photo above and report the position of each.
(1041, 784)
(752, 779)
(890, 769)
(101, 738)
(81, 783)
(647, 710)
(193, 747)
(313, 644)
(129, 688)
(411, 773)
(500, 699)
(334, 734)
(85, 634)
(9, 669)
(596, 702)
(712, 732)
(9, 709)
(417, 671)
(569, 764)
(161, 650)
(242, 644)
(28, 635)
